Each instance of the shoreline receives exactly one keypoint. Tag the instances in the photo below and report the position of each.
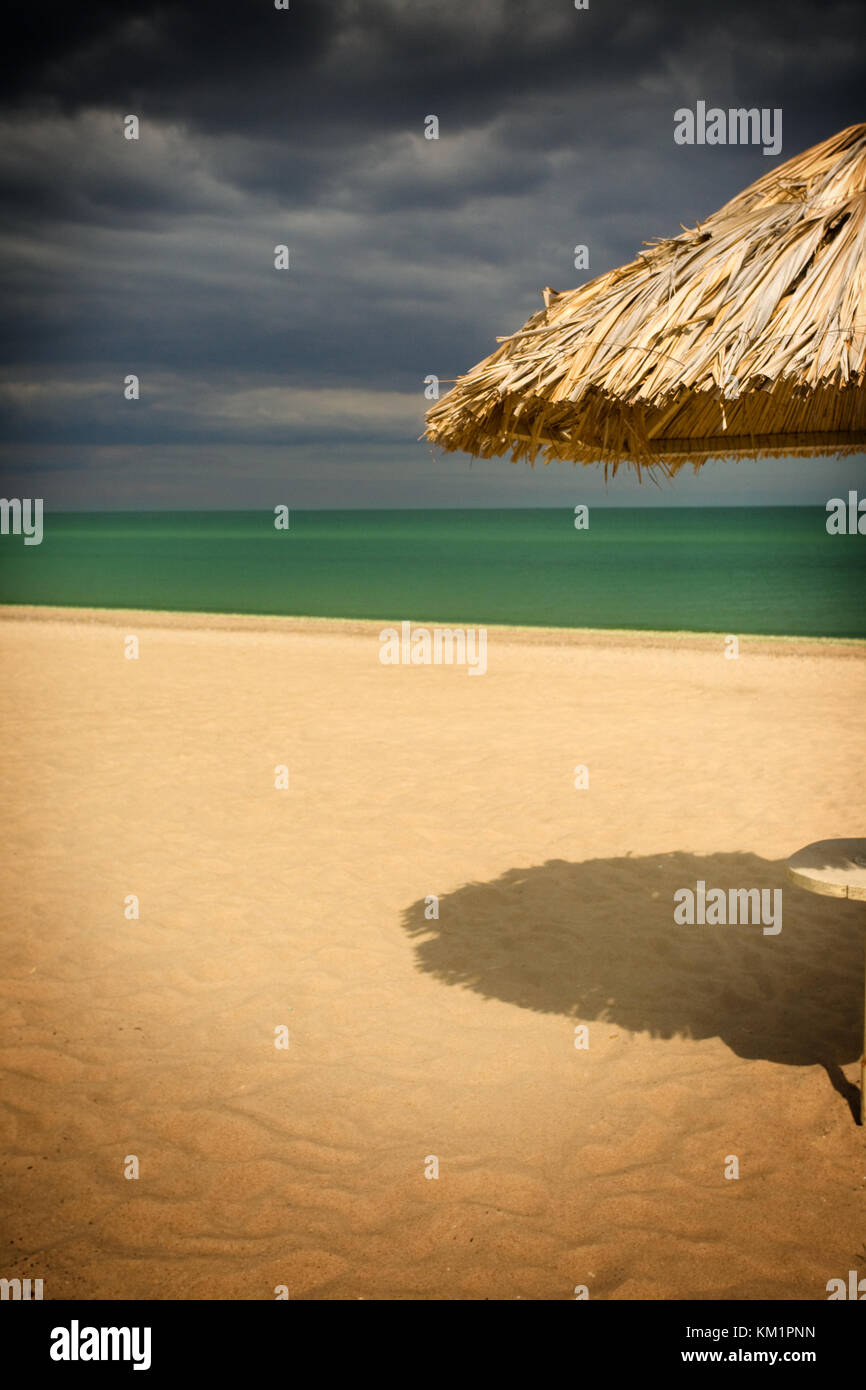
(684, 639)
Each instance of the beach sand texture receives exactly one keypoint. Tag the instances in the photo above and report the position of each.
(410, 1037)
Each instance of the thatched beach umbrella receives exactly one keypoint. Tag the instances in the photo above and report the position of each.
(743, 337)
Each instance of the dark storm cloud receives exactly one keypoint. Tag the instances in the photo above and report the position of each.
(238, 65)
(408, 256)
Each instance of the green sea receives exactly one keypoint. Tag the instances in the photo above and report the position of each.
(772, 570)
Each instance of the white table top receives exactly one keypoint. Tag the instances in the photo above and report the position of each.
(835, 868)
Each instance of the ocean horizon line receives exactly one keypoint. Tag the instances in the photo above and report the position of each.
(505, 507)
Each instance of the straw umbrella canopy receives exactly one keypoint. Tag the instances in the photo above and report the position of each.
(743, 337)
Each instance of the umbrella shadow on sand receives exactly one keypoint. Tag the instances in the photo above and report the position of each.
(598, 940)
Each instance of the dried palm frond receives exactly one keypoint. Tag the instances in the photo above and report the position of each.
(742, 337)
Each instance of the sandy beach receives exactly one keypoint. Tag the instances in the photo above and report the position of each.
(412, 1038)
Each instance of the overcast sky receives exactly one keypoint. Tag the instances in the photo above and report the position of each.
(407, 256)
